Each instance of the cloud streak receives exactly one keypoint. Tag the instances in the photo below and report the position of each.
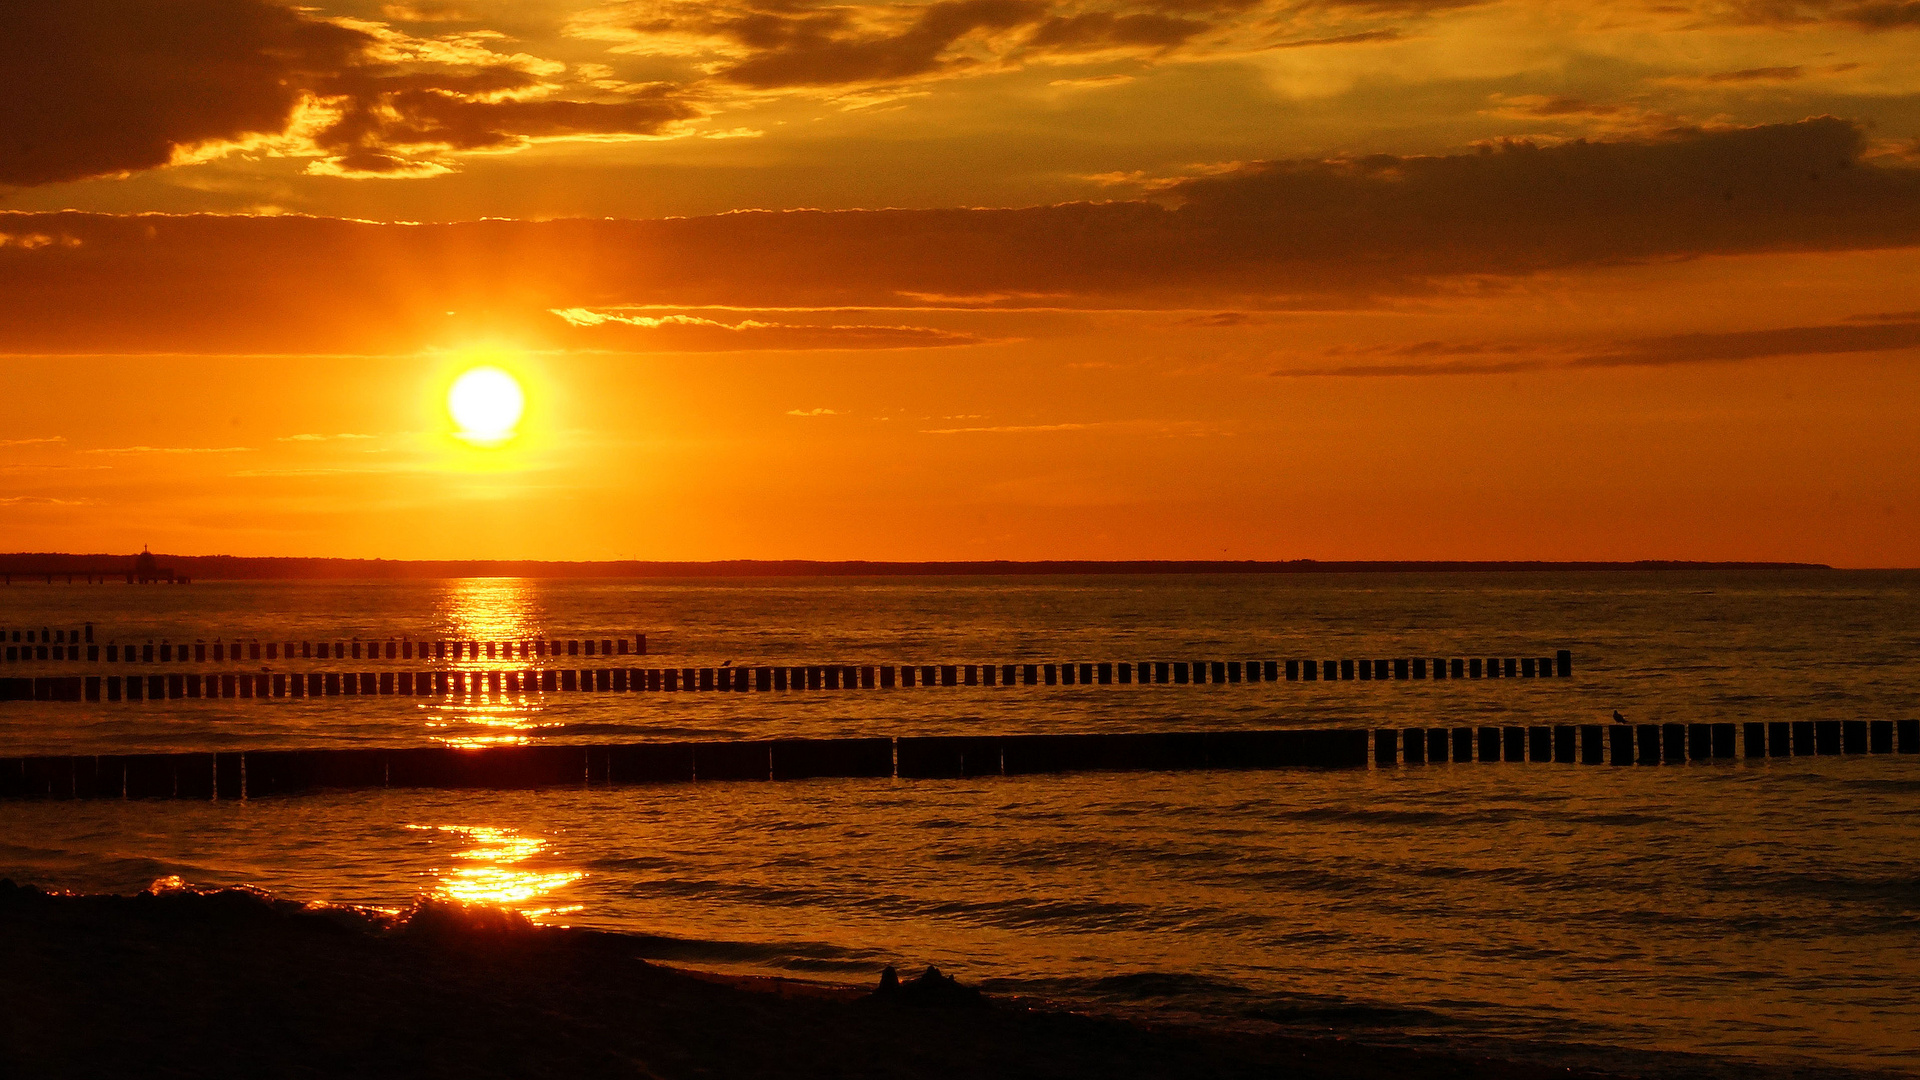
(691, 333)
(1484, 358)
(1258, 235)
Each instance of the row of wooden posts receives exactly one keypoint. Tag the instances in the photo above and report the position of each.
(154, 687)
(70, 648)
(252, 774)
(1644, 744)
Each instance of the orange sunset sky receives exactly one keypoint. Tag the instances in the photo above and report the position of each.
(965, 279)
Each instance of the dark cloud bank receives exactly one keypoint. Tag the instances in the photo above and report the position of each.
(1265, 234)
(103, 87)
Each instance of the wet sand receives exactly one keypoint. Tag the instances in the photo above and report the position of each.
(236, 984)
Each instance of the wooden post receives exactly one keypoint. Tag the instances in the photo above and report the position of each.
(1755, 738)
(1416, 745)
(1386, 746)
(1826, 736)
(1853, 736)
(1673, 743)
(1563, 751)
(1648, 738)
(1540, 743)
(1723, 740)
(1880, 739)
(1592, 747)
(1620, 742)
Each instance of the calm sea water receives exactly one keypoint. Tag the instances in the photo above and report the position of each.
(1746, 912)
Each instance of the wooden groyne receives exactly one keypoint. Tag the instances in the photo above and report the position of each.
(762, 679)
(67, 645)
(256, 773)
(1644, 744)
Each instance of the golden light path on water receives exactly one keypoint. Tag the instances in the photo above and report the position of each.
(487, 610)
(487, 872)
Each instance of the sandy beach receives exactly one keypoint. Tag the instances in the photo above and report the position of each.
(237, 984)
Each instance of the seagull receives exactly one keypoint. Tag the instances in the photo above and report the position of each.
(1617, 718)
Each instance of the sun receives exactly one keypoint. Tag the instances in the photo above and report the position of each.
(485, 403)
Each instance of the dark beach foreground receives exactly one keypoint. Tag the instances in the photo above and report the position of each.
(235, 983)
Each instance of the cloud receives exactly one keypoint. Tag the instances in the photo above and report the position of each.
(816, 412)
(108, 87)
(1252, 236)
(1783, 74)
(171, 450)
(1869, 15)
(1491, 358)
(322, 438)
(1760, 345)
(1092, 82)
(1098, 30)
(768, 44)
(1008, 429)
(1365, 38)
(34, 442)
(35, 241)
(1161, 428)
(862, 49)
(690, 333)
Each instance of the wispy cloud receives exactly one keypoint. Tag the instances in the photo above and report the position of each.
(1865, 334)
(693, 333)
(34, 442)
(322, 438)
(815, 412)
(1002, 429)
(1165, 428)
(171, 450)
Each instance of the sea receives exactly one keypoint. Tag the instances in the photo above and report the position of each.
(1716, 918)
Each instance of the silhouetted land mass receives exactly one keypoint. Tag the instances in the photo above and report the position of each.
(235, 984)
(238, 568)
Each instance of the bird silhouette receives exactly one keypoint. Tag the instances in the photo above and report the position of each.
(1617, 718)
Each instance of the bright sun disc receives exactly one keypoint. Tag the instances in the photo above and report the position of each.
(485, 404)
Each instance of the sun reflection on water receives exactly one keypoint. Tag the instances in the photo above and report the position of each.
(487, 872)
(490, 609)
(496, 612)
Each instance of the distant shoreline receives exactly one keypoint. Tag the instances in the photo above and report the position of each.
(268, 568)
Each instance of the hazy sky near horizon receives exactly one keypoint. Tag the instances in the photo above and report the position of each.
(965, 279)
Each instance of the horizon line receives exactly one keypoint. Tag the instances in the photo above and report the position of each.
(296, 567)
